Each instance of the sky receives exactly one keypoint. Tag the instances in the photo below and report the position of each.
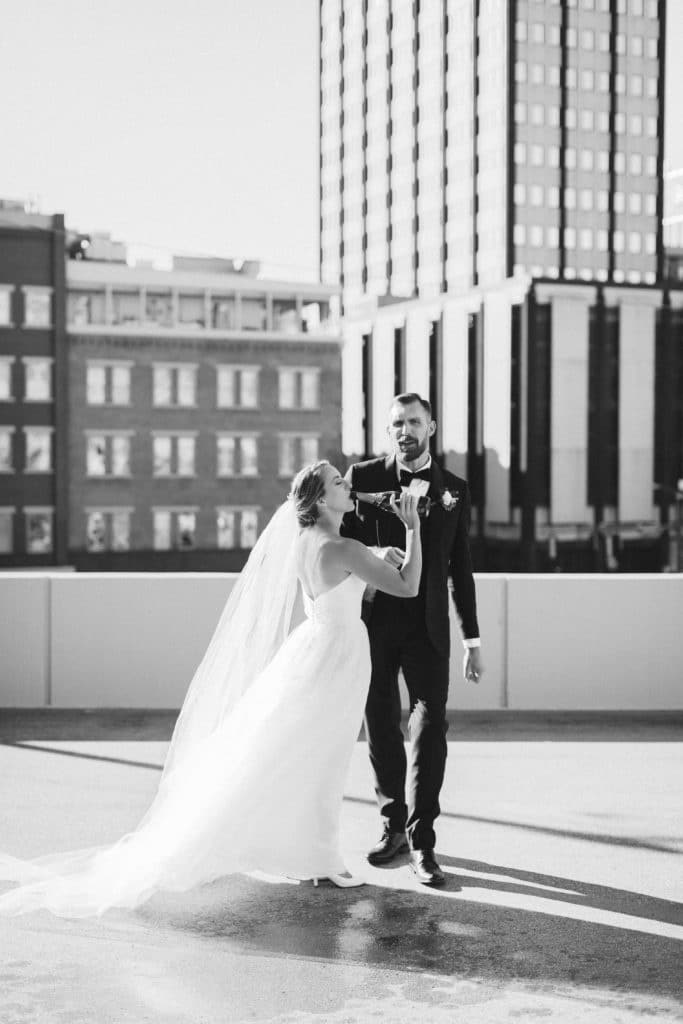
(187, 126)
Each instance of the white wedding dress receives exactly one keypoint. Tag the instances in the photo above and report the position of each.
(261, 792)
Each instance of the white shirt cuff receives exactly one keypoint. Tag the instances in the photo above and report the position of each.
(474, 641)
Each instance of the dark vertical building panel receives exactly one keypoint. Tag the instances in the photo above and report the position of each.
(539, 403)
(515, 410)
(475, 462)
(399, 360)
(603, 407)
(367, 394)
(668, 401)
(435, 375)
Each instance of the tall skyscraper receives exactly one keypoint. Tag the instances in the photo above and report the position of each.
(491, 204)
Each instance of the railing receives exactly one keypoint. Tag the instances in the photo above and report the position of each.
(548, 641)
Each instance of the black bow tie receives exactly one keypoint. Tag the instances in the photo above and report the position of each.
(405, 476)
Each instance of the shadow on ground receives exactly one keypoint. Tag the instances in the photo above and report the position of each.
(436, 932)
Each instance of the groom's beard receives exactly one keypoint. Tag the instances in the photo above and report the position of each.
(412, 453)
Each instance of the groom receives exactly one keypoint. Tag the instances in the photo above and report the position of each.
(412, 634)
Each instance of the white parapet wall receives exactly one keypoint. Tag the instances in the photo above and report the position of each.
(548, 642)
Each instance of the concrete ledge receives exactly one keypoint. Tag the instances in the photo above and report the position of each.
(108, 724)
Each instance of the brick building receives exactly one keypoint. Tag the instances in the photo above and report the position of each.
(194, 395)
(32, 396)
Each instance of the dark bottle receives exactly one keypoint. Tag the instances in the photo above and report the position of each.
(382, 501)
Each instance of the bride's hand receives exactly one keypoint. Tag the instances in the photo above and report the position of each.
(406, 509)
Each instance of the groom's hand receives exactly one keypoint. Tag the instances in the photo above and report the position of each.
(472, 666)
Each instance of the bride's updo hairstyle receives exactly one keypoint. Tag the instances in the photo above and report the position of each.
(308, 487)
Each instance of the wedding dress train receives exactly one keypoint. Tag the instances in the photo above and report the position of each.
(262, 791)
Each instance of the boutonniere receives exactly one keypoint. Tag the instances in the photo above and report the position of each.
(448, 501)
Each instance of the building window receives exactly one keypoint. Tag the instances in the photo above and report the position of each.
(570, 158)
(538, 32)
(108, 454)
(587, 120)
(570, 117)
(586, 238)
(108, 383)
(174, 384)
(553, 156)
(85, 308)
(237, 455)
(38, 441)
(636, 46)
(554, 75)
(37, 379)
(174, 528)
(570, 238)
(236, 527)
(536, 236)
(107, 529)
(520, 31)
(635, 203)
(223, 313)
(254, 313)
(159, 309)
(6, 391)
(520, 194)
(286, 316)
(6, 530)
(537, 74)
(520, 153)
(536, 195)
(619, 202)
(519, 234)
(298, 388)
(634, 242)
(587, 39)
(553, 237)
(586, 199)
(295, 451)
(237, 387)
(571, 38)
(635, 163)
(38, 530)
(636, 83)
(537, 156)
(520, 113)
(520, 71)
(650, 243)
(174, 454)
(37, 307)
(603, 81)
(570, 198)
(6, 305)
(588, 80)
(126, 308)
(553, 115)
(601, 237)
(6, 452)
(618, 241)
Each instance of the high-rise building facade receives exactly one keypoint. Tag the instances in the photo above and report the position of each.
(491, 205)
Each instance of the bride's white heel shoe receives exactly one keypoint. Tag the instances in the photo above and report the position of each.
(343, 881)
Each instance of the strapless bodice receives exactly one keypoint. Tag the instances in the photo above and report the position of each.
(340, 603)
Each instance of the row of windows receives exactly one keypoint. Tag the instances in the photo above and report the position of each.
(108, 382)
(588, 80)
(636, 8)
(110, 529)
(37, 379)
(108, 453)
(586, 160)
(538, 114)
(618, 276)
(539, 33)
(37, 306)
(173, 309)
(585, 199)
(537, 236)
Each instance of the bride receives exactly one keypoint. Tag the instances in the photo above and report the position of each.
(254, 776)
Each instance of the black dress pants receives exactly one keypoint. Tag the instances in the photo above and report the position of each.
(399, 640)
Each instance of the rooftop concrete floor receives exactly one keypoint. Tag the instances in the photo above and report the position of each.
(563, 900)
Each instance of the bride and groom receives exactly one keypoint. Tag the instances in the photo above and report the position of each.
(254, 777)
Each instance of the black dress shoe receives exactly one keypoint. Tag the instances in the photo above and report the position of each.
(424, 866)
(389, 845)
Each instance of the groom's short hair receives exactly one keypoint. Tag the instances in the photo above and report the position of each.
(408, 397)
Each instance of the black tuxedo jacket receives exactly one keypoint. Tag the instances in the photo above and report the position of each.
(445, 545)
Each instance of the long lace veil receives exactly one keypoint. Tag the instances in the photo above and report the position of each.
(252, 627)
